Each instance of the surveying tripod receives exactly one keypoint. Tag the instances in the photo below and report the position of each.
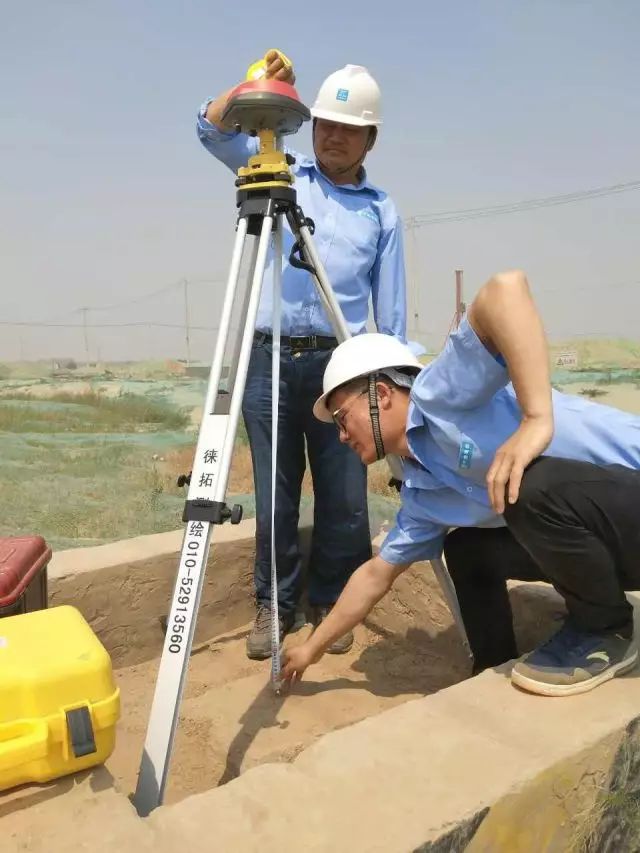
(268, 109)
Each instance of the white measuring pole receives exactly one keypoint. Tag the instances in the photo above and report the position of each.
(208, 484)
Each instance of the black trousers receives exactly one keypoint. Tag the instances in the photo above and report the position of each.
(575, 525)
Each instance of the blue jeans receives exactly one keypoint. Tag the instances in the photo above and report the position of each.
(341, 539)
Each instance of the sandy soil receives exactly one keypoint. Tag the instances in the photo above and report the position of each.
(623, 396)
(231, 719)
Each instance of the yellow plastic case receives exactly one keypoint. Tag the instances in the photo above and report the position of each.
(59, 704)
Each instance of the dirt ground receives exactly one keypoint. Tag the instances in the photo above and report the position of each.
(625, 396)
(232, 720)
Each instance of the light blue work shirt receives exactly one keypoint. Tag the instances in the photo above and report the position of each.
(462, 410)
(358, 236)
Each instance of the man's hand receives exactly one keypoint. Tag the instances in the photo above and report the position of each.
(276, 66)
(365, 588)
(278, 69)
(527, 443)
(296, 660)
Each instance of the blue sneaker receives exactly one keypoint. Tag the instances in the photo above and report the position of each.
(573, 662)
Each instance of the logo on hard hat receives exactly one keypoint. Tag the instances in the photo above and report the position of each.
(342, 95)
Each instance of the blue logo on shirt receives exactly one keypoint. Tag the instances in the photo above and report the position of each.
(466, 452)
(368, 214)
(342, 95)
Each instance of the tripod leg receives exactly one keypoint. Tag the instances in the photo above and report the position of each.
(240, 378)
(204, 507)
(225, 317)
(331, 305)
(451, 597)
(235, 355)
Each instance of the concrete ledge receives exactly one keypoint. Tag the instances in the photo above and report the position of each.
(82, 813)
(479, 766)
(124, 588)
(428, 775)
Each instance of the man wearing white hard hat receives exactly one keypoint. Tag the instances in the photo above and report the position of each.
(511, 479)
(358, 235)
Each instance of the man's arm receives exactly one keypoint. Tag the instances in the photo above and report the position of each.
(231, 148)
(366, 586)
(216, 108)
(275, 69)
(506, 320)
(415, 536)
(388, 284)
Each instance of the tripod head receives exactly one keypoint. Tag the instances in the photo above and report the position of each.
(267, 109)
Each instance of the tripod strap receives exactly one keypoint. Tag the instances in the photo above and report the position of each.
(276, 323)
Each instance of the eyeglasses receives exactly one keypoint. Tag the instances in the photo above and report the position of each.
(340, 415)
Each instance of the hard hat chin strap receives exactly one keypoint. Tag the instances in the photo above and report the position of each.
(374, 412)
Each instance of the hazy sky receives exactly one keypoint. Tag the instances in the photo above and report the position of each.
(106, 194)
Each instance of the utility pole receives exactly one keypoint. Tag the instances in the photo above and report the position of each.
(86, 337)
(186, 319)
(416, 291)
(460, 306)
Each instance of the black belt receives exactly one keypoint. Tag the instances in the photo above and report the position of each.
(300, 342)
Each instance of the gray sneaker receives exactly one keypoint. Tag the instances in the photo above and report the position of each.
(573, 662)
(259, 640)
(342, 644)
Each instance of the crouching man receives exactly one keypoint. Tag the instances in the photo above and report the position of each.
(511, 479)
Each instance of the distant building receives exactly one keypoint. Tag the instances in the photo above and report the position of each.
(65, 364)
(566, 358)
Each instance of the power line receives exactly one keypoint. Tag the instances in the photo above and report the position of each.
(104, 325)
(52, 321)
(174, 285)
(605, 288)
(52, 324)
(136, 299)
(464, 214)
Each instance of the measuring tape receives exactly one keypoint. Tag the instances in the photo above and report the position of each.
(257, 71)
(276, 679)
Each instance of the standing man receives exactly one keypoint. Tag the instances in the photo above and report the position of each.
(529, 502)
(358, 235)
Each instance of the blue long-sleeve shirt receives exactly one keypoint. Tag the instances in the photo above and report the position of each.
(358, 236)
(462, 409)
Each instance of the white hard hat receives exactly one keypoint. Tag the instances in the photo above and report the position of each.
(360, 356)
(349, 96)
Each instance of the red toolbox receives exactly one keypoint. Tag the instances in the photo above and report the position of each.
(23, 574)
